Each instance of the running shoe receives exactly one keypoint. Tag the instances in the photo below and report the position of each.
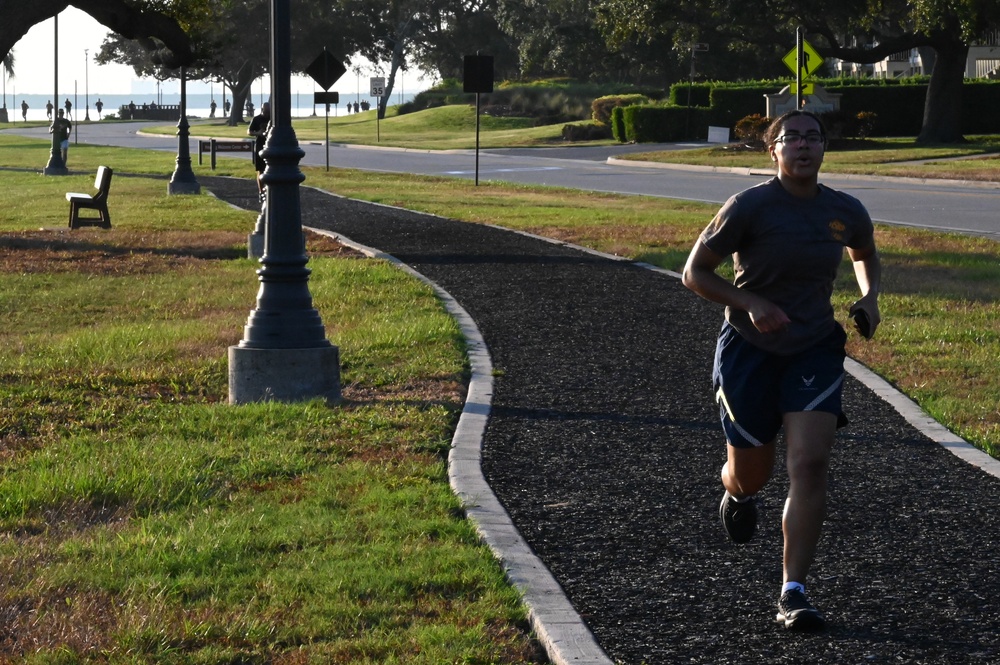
(739, 519)
(797, 613)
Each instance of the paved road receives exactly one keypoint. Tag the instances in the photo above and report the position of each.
(967, 208)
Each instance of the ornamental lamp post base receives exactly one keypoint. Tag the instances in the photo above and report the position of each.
(283, 375)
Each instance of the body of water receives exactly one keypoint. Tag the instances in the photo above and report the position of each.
(197, 104)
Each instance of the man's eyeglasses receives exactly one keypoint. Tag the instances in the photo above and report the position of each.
(795, 139)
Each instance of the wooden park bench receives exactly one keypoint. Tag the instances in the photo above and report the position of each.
(97, 201)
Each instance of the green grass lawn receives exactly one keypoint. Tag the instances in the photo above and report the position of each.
(443, 128)
(146, 520)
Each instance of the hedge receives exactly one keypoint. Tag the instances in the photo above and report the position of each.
(897, 103)
(660, 124)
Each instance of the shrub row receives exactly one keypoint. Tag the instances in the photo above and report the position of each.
(659, 124)
(897, 103)
(550, 101)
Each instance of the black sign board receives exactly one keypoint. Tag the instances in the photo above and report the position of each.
(478, 73)
(326, 98)
(325, 70)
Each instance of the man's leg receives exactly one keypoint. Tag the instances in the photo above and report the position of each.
(747, 470)
(743, 474)
(809, 437)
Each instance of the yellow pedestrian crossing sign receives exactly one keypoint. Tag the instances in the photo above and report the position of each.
(811, 60)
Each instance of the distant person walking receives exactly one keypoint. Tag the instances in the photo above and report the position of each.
(60, 132)
(779, 359)
(100, 107)
(69, 108)
(258, 128)
(211, 108)
(226, 106)
(48, 109)
(250, 108)
(24, 110)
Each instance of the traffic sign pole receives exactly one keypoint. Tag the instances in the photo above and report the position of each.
(377, 90)
(798, 70)
(803, 61)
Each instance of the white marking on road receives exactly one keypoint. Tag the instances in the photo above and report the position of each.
(530, 168)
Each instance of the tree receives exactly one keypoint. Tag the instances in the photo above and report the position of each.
(947, 27)
(741, 45)
(404, 31)
(887, 27)
(231, 39)
(392, 27)
(563, 38)
(156, 29)
(458, 29)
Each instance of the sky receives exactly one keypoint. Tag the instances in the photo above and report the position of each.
(80, 38)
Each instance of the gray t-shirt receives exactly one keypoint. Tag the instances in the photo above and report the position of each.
(788, 250)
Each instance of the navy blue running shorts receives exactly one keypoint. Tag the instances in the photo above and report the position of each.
(755, 388)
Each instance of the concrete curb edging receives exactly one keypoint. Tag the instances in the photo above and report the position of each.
(917, 417)
(557, 625)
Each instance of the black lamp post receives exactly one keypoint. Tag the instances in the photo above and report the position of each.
(86, 83)
(56, 165)
(284, 354)
(183, 180)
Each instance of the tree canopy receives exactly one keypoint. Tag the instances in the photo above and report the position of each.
(852, 30)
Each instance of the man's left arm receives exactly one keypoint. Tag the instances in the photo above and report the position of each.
(868, 272)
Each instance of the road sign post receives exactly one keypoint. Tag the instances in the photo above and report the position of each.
(377, 90)
(326, 98)
(477, 77)
(696, 47)
(325, 70)
(803, 61)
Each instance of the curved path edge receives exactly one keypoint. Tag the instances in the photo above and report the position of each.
(556, 624)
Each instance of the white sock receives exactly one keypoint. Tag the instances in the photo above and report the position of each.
(789, 586)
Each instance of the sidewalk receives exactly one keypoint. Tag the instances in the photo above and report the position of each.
(603, 445)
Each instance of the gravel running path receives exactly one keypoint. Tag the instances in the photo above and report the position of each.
(603, 445)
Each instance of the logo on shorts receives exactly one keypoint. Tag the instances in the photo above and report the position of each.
(808, 382)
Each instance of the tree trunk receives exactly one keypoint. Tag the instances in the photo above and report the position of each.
(943, 105)
(394, 65)
(240, 90)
